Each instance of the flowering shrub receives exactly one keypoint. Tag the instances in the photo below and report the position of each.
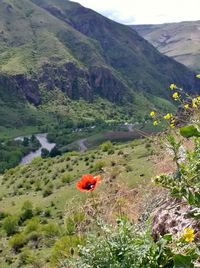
(188, 116)
(185, 182)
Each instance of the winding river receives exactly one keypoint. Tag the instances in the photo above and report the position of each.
(42, 137)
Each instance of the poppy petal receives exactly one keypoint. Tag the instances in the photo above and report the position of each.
(88, 183)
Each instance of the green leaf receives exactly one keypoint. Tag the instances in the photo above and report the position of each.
(197, 198)
(190, 131)
(181, 261)
(191, 198)
(168, 237)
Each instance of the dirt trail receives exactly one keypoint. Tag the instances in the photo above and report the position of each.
(82, 146)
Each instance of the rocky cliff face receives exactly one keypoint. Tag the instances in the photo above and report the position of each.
(28, 87)
(73, 81)
(20, 87)
(69, 78)
(106, 85)
(77, 82)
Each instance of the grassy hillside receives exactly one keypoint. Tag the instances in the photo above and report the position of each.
(177, 40)
(55, 53)
(49, 184)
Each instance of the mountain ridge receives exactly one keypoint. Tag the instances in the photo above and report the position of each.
(178, 40)
(47, 45)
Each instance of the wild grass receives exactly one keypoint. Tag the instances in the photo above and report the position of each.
(124, 170)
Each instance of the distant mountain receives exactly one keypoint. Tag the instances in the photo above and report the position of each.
(55, 49)
(178, 40)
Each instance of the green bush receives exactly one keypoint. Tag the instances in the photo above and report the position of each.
(67, 246)
(48, 190)
(185, 182)
(35, 237)
(17, 242)
(44, 153)
(51, 230)
(26, 211)
(32, 225)
(10, 225)
(125, 246)
(107, 146)
(3, 215)
(98, 165)
(26, 257)
(66, 178)
(73, 221)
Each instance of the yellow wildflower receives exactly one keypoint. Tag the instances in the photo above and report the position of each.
(194, 103)
(186, 106)
(198, 98)
(188, 235)
(172, 86)
(198, 76)
(172, 125)
(175, 96)
(152, 114)
(167, 116)
(155, 123)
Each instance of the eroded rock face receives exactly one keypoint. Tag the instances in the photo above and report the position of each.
(77, 82)
(74, 81)
(172, 217)
(19, 87)
(106, 84)
(29, 88)
(68, 78)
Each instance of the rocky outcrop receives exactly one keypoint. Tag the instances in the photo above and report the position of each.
(74, 81)
(69, 78)
(82, 83)
(19, 87)
(172, 217)
(106, 84)
(28, 87)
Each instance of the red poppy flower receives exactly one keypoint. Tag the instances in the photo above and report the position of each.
(88, 183)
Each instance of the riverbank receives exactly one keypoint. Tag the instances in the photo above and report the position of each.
(123, 133)
(12, 151)
(45, 144)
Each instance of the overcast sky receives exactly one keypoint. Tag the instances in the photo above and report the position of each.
(146, 11)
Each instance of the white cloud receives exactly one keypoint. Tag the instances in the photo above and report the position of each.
(146, 11)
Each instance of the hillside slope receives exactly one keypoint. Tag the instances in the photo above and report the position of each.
(49, 184)
(54, 50)
(178, 40)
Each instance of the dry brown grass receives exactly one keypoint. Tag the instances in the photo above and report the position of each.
(116, 199)
(163, 160)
